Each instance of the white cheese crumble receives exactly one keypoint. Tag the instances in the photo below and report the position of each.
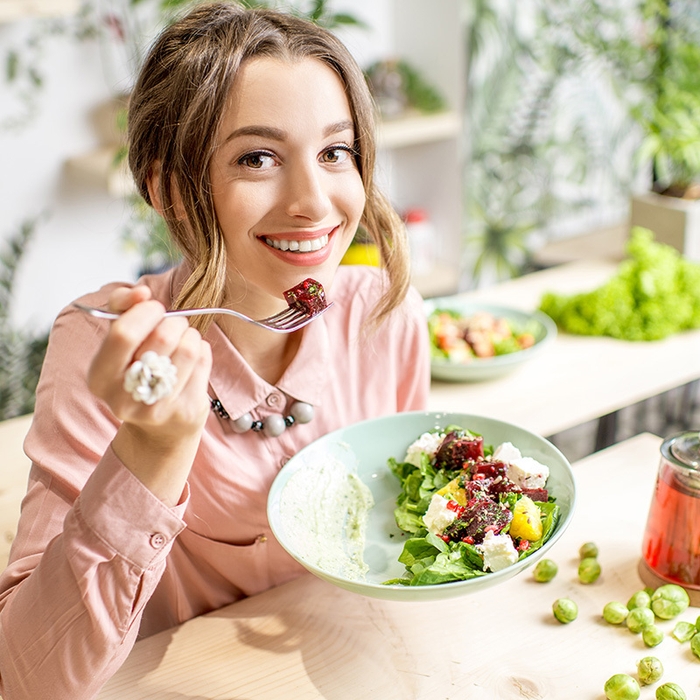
(428, 443)
(438, 515)
(507, 452)
(498, 551)
(528, 473)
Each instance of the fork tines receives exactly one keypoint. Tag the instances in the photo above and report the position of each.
(286, 318)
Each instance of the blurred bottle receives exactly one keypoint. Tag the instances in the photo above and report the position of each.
(422, 240)
(362, 250)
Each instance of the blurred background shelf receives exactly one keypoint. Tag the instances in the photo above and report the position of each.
(100, 169)
(11, 10)
(419, 129)
(441, 281)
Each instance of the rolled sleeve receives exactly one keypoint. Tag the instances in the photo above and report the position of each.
(119, 510)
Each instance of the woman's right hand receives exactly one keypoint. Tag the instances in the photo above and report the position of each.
(157, 442)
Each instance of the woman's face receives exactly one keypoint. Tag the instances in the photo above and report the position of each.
(286, 188)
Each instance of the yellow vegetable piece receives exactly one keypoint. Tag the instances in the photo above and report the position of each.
(454, 491)
(527, 520)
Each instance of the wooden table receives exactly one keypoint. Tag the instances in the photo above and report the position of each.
(308, 639)
(577, 378)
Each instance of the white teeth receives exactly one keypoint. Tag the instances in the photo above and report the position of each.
(305, 246)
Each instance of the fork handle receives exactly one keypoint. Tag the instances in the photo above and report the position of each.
(110, 315)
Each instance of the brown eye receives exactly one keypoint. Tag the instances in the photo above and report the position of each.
(336, 154)
(257, 160)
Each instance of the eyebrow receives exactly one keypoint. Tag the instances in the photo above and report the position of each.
(275, 134)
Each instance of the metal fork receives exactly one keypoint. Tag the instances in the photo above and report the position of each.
(291, 319)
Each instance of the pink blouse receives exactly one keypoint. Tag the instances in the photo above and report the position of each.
(98, 560)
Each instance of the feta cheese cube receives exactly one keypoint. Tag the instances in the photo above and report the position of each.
(498, 551)
(507, 452)
(428, 443)
(527, 473)
(438, 515)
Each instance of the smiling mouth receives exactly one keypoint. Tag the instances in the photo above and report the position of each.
(304, 246)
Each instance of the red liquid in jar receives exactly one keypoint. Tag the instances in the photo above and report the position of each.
(671, 545)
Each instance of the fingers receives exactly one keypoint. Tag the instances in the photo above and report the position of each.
(142, 327)
(126, 336)
(124, 298)
(193, 360)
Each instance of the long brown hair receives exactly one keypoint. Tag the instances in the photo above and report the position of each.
(174, 114)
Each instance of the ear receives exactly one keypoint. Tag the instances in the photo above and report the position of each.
(153, 185)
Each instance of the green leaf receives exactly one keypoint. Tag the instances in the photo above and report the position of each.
(417, 549)
(11, 66)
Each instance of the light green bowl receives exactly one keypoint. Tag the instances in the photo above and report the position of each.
(366, 447)
(483, 368)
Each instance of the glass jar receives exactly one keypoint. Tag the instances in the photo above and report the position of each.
(671, 546)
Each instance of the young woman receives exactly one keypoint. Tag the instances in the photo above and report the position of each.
(252, 133)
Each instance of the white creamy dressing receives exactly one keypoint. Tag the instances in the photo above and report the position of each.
(325, 508)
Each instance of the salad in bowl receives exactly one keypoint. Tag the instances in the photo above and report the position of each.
(422, 505)
(473, 341)
(469, 509)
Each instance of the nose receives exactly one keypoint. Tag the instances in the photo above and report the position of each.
(308, 191)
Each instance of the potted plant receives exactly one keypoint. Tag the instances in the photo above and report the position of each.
(669, 117)
(21, 350)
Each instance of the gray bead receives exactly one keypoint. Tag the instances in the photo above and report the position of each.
(242, 424)
(273, 425)
(302, 412)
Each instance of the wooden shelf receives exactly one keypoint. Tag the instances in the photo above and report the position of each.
(99, 168)
(11, 10)
(417, 129)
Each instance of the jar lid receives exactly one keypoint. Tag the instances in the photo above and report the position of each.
(684, 448)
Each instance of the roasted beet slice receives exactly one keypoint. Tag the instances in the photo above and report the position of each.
(458, 448)
(308, 296)
(540, 495)
(476, 517)
(487, 469)
(499, 485)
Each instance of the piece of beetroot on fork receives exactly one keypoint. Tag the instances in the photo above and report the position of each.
(309, 296)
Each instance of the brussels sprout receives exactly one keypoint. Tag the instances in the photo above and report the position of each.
(669, 600)
(590, 549)
(697, 623)
(649, 670)
(565, 610)
(545, 570)
(695, 645)
(670, 691)
(641, 599)
(588, 570)
(621, 687)
(614, 612)
(652, 636)
(684, 631)
(638, 619)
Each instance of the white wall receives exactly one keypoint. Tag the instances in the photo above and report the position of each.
(77, 244)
